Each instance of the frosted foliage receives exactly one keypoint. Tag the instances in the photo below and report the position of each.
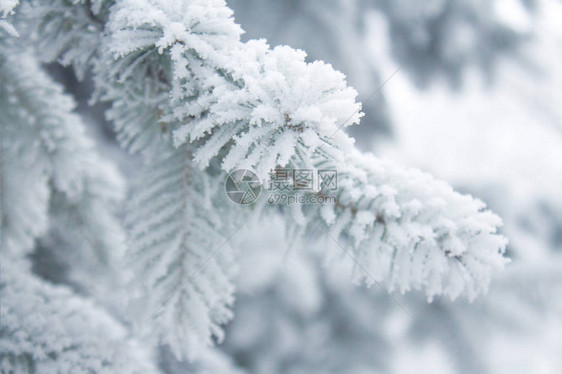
(286, 110)
(173, 229)
(185, 286)
(69, 31)
(54, 331)
(195, 101)
(412, 231)
(140, 32)
(271, 103)
(27, 208)
(202, 25)
(6, 6)
(64, 177)
(215, 96)
(334, 31)
(6, 9)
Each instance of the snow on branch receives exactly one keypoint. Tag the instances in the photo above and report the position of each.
(253, 106)
(54, 331)
(181, 82)
(55, 186)
(6, 10)
(180, 256)
(410, 231)
(257, 108)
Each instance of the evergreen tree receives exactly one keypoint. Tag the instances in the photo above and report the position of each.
(196, 102)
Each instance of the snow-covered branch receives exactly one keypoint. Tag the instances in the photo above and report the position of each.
(195, 100)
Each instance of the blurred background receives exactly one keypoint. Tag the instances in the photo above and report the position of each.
(468, 90)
